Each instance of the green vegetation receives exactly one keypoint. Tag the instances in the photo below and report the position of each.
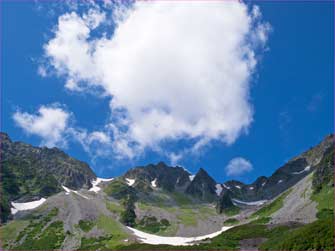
(113, 228)
(114, 207)
(119, 190)
(324, 197)
(181, 199)
(186, 217)
(86, 225)
(229, 240)
(150, 224)
(232, 211)
(41, 234)
(207, 211)
(10, 231)
(18, 178)
(128, 216)
(324, 173)
(271, 208)
(231, 221)
(262, 220)
(99, 243)
(314, 236)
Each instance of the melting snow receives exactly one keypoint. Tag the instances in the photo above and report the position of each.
(307, 168)
(191, 177)
(238, 187)
(26, 205)
(68, 191)
(130, 182)
(174, 241)
(96, 182)
(218, 189)
(153, 183)
(250, 203)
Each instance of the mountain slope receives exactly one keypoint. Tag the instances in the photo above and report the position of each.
(168, 201)
(265, 188)
(29, 173)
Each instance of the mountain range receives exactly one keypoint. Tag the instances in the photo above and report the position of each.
(50, 200)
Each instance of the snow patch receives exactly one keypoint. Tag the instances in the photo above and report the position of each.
(191, 177)
(238, 187)
(218, 189)
(26, 205)
(225, 186)
(68, 191)
(130, 182)
(307, 168)
(95, 188)
(153, 183)
(280, 181)
(263, 184)
(251, 188)
(249, 203)
(174, 241)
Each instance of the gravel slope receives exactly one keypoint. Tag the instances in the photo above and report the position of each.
(297, 205)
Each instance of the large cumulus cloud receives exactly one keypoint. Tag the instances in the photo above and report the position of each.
(172, 70)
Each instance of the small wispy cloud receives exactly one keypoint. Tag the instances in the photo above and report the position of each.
(238, 166)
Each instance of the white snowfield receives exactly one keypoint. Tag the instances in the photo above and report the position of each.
(130, 182)
(218, 189)
(238, 187)
(251, 188)
(191, 177)
(68, 191)
(174, 241)
(249, 203)
(26, 205)
(307, 168)
(153, 183)
(95, 188)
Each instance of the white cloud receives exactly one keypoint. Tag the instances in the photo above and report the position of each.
(49, 123)
(173, 70)
(238, 166)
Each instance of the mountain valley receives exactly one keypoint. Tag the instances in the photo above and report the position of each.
(50, 200)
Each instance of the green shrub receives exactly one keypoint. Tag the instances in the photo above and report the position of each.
(86, 225)
(231, 221)
(99, 243)
(152, 225)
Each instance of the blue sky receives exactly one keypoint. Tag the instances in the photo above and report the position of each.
(289, 91)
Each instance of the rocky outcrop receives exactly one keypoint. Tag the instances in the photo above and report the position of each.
(202, 186)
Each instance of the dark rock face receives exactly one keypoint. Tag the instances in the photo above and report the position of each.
(224, 202)
(29, 172)
(168, 178)
(202, 186)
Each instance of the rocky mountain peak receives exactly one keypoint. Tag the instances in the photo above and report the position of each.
(159, 175)
(202, 186)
